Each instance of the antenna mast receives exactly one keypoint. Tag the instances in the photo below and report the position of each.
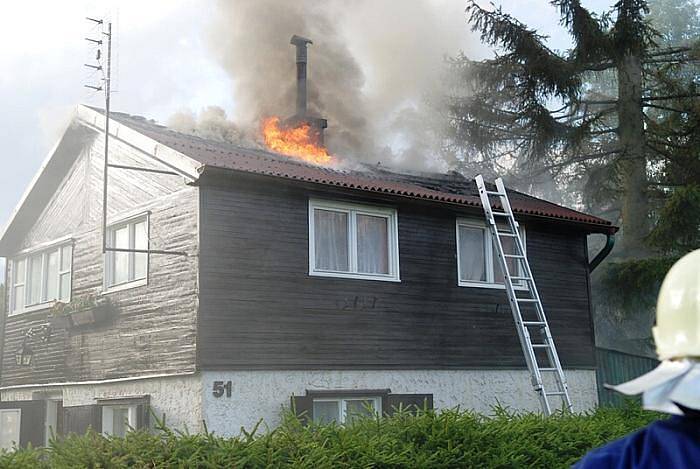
(106, 85)
(105, 39)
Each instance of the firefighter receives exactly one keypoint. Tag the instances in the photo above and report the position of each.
(673, 387)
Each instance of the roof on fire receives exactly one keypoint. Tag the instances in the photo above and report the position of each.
(191, 156)
(449, 187)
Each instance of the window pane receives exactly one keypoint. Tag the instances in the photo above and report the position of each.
(64, 287)
(372, 244)
(472, 259)
(34, 294)
(508, 244)
(19, 272)
(326, 411)
(51, 275)
(66, 258)
(140, 242)
(18, 298)
(120, 264)
(18, 292)
(358, 408)
(331, 240)
(120, 421)
(9, 428)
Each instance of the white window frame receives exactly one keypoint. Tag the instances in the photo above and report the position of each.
(488, 256)
(343, 405)
(130, 222)
(42, 250)
(19, 428)
(108, 417)
(353, 210)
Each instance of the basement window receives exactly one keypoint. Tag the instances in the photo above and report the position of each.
(353, 241)
(118, 420)
(124, 268)
(123, 414)
(344, 410)
(41, 277)
(477, 258)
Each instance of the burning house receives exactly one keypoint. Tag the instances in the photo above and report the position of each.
(241, 280)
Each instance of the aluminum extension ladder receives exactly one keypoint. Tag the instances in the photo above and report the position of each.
(527, 322)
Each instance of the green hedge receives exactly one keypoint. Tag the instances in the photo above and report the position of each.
(442, 439)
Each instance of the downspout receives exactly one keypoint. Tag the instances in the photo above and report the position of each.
(609, 243)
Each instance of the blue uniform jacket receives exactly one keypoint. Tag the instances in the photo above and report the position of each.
(672, 443)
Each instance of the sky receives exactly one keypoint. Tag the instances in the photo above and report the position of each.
(163, 63)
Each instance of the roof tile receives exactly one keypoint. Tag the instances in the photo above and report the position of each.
(448, 188)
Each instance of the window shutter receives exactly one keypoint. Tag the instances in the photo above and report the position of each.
(142, 416)
(32, 421)
(302, 406)
(78, 419)
(409, 402)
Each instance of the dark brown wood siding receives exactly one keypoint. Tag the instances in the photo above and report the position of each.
(153, 330)
(260, 309)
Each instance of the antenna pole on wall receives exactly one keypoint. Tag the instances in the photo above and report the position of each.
(106, 85)
(108, 77)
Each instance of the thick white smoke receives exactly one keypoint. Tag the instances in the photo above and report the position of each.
(375, 70)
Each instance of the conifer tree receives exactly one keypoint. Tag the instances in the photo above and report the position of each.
(537, 106)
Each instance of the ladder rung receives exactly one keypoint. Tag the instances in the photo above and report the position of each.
(501, 214)
(526, 300)
(507, 233)
(556, 393)
(534, 323)
(514, 256)
(520, 278)
(548, 369)
(541, 345)
(500, 194)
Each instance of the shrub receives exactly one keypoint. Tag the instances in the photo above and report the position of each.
(445, 439)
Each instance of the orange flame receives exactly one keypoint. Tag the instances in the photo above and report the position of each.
(297, 142)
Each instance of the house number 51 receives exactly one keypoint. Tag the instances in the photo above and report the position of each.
(220, 387)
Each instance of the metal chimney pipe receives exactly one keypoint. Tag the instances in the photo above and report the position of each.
(301, 43)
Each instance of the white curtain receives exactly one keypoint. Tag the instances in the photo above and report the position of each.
(51, 275)
(331, 240)
(140, 258)
(472, 262)
(372, 245)
(120, 260)
(35, 279)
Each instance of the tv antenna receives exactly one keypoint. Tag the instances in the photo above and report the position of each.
(104, 39)
(102, 42)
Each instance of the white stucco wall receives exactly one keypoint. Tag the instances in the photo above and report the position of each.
(262, 394)
(255, 395)
(178, 397)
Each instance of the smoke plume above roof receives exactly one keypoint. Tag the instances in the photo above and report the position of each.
(375, 71)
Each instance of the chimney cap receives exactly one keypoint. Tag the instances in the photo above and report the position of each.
(300, 41)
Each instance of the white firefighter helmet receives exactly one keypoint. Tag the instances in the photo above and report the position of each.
(677, 330)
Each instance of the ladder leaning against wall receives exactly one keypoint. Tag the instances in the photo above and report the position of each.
(528, 313)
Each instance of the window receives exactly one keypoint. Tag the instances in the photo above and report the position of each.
(344, 410)
(127, 268)
(118, 420)
(353, 241)
(477, 259)
(40, 278)
(9, 428)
